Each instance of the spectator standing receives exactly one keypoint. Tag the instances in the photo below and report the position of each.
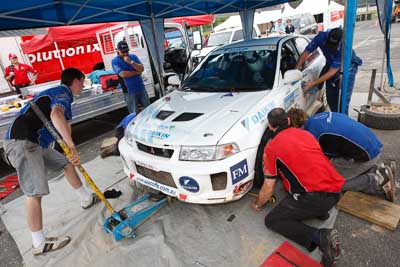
(129, 67)
(289, 27)
(17, 74)
(279, 27)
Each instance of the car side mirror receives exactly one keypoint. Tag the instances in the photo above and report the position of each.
(197, 40)
(302, 26)
(292, 76)
(197, 47)
(174, 80)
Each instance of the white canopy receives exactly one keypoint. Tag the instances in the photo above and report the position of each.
(317, 7)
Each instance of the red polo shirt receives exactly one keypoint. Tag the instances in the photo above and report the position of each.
(296, 157)
(20, 74)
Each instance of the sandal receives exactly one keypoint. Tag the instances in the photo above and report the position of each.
(51, 244)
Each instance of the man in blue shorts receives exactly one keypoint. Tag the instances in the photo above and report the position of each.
(129, 67)
(27, 148)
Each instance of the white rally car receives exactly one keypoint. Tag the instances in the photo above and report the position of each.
(203, 142)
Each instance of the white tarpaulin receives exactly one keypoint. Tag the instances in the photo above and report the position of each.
(179, 234)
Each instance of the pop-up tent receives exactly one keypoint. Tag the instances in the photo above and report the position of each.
(44, 13)
(332, 12)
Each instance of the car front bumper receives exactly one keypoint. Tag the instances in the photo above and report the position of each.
(208, 182)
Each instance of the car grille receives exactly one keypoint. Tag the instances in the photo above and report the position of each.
(161, 177)
(156, 151)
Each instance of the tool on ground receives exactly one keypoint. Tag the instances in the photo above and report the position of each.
(121, 223)
(272, 200)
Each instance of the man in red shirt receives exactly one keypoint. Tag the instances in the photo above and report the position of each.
(310, 179)
(17, 74)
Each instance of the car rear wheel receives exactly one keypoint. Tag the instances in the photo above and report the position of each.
(258, 168)
(384, 117)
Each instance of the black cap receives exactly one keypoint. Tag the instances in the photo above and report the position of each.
(334, 38)
(122, 46)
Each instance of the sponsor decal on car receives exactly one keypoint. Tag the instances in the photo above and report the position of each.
(132, 176)
(290, 99)
(189, 184)
(160, 187)
(258, 117)
(243, 188)
(159, 134)
(239, 171)
(182, 197)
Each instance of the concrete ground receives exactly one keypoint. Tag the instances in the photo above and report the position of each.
(363, 244)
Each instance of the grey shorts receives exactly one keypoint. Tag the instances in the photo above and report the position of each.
(31, 162)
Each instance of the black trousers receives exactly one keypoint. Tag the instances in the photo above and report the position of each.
(286, 218)
(18, 87)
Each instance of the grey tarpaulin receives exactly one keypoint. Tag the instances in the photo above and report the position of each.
(179, 234)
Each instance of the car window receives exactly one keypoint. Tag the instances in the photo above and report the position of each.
(218, 39)
(237, 36)
(247, 69)
(301, 44)
(174, 38)
(289, 57)
(311, 19)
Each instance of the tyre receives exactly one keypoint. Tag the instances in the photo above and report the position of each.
(258, 168)
(384, 117)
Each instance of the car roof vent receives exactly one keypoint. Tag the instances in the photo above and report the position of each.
(187, 116)
(163, 114)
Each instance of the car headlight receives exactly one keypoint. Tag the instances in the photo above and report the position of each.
(207, 153)
(129, 133)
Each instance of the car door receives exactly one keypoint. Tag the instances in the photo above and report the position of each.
(291, 93)
(311, 70)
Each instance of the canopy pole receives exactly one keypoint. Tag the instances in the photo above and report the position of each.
(59, 56)
(383, 66)
(160, 65)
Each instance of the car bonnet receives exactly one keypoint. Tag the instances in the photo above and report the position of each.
(192, 118)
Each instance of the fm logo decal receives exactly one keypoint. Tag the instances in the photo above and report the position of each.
(239, 171)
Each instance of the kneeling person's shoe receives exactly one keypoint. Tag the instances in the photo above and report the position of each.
(386, 182)
(329, 247)
(51, 244)
(85, 204)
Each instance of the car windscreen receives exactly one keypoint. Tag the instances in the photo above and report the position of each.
(239, 69)
(218, 39)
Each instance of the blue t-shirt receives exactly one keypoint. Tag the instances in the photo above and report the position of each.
(341, 136)
(27, 126)
(333, 58)
(125, 121)
(134, 83)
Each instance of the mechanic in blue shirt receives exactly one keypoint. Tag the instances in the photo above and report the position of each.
(331, 45)
(26, 146)
(353, 149)
(110, 145)
(129, 67)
